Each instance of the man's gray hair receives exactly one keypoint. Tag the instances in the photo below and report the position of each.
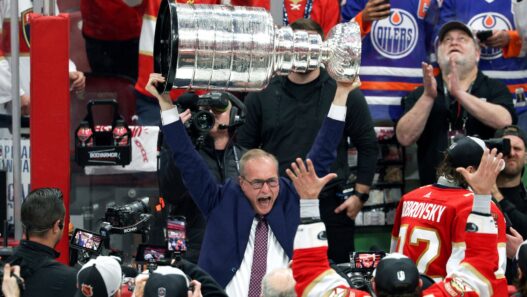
(279, 283)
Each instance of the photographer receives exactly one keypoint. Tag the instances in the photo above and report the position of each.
(43, 219)
(220, 153)
(511, 194)
(395, 275)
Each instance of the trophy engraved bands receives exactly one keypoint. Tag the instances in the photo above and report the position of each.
(221, 47)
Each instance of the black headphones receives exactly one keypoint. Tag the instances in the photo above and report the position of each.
(237, 114)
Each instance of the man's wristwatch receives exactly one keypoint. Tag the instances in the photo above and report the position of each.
(362, 196)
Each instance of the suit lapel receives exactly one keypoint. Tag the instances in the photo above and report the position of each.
(245, 215)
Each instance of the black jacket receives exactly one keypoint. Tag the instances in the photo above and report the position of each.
(42, 274)
(284, 120)
(514, 206)
(209, 287)
(173, 190)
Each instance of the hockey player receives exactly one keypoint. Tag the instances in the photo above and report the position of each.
(397, 275)
(430, 221)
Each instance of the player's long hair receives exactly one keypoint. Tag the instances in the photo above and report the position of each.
(521, 285)
(446, 169)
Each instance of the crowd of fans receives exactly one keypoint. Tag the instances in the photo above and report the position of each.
(444, 72)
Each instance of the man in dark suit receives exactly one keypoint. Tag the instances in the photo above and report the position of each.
(251, 221)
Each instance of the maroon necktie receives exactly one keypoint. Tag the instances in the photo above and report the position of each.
(259, 266)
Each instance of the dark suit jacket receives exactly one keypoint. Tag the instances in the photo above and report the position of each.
(228, 212)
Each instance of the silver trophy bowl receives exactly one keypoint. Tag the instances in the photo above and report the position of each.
(219, 47)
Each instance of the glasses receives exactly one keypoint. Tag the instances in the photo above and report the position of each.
(258, 183)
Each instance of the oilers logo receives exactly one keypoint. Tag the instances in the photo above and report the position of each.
(490, 21)
(395, 37)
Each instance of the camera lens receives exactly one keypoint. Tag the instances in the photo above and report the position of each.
(203, 121)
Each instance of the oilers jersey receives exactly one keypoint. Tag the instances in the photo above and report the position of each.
(491, 15)
(392, 53)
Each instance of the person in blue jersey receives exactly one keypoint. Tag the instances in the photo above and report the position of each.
(393, 50)
(500, 45)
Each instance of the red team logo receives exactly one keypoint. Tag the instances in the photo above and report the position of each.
(24, 17)
(87, 290)
(490, 21)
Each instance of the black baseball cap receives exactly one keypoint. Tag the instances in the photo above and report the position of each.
(514, 131)
(396, 274)
(454, 25)
(466, 151)
(167, 281)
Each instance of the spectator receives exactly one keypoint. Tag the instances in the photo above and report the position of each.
(499, 52)
(43, 219)
(11, 280)
(399, 40)
(284, 119)
(279, 283)
(222, 156)
(25, 7)
(510, 192)
(460, 100)
(323, 12)
(430, 221)
(326, 13)
(100, 277)
(111, 32)
(396, 275)
(254, 217)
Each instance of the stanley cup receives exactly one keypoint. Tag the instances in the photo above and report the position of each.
(220, 47)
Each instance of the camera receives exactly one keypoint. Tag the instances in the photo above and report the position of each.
(127, 215)
(6, 253)
(362, 265)
(151, 253)
(484, 35)
(176, 234)
(86, 241)
(502, 145)
(202, 119)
